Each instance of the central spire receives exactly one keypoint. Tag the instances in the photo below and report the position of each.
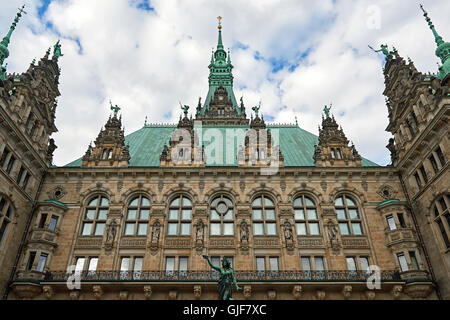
(220, 75)
(442, 50)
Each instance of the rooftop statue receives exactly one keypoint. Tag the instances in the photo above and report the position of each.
(256, 109)
(57, 50)
(327, 110)
(115, 109)
(227, 279)
(384, 49)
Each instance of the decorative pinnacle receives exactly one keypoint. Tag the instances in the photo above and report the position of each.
(220, 24)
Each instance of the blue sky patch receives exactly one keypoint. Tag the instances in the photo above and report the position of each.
(142, 5)
(42, 9)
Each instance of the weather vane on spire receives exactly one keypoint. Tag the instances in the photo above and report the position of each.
(115, 109)
(220, 23)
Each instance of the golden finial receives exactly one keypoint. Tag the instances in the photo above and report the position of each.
(220, 25)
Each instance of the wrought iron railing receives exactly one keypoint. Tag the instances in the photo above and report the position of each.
(205, 276)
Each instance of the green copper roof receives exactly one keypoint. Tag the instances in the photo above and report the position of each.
(387, 201)
(59, 203)
(146, 145)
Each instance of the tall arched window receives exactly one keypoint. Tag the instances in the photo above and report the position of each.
(138, 214)
(95, 215)
(442, 218)
(5, 216)
(180, 216)
(222, 216)
(263, 216)
(348, 216)
(306, 221)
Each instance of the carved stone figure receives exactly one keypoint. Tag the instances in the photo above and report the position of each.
(391, 147)
(287, 231)
(51, 148)
(156, 230)
(199, 232)
(111, 232)
(244, 231)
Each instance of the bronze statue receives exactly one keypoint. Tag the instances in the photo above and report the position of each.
(227, 279)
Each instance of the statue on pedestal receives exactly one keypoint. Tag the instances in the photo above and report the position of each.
(227, 279)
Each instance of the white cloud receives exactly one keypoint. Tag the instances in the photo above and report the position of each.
(147, 61)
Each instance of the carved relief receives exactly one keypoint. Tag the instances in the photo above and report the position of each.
(288, 235)
(199, 236)
(154, 240)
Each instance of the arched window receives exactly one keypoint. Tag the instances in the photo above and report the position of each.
(442, 218)
(263, 215)
(5, 216)
(222, 217)
(95, 215)
(180, 216)
(138, 214)
(348, 216)
(306, 221)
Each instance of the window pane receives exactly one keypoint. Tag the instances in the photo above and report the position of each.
(270, 214)
(301, 229)
(343, 227)
(215, 229)
(142, 229)
(93, 264)
(273, 263)
(228, 229)
(257, 202)
(260, 264)
(306, 266)
(353, 213)
(314, 229)
(298, 202)
(134, 202)
(402, 261)
(102, 214)
(41, 262)
(312, 214)
(318, 261)
(271, 228)
(309, 202)
(338, 202)
(144, 214)
(138, 264)
(175, 202)
(172, 228)
(341, 214)
(186, 214)
(299, 214)
(351, 264)
(183, 264)
(257, 214)
(104, 202)
(145, 202)
(129, 229)
(170, 264)
(87, 228)
(350, 202)
(79, 265)
(229, 215)
(173, 214)
(187, 202)
(258, 229)
(132, 214)
(53, 222)
(90, 214)
(268, 202)
(99, 229)
(214, 215)
(364, 262)
(356, 228)
(125, 264)
(391, 223)
(185, 229)
(93, 202)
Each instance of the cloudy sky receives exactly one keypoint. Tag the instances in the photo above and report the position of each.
(295, 56)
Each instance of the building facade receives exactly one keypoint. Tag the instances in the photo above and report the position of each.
(299, 216)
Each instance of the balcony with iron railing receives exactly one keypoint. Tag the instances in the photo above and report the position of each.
(213, 276)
